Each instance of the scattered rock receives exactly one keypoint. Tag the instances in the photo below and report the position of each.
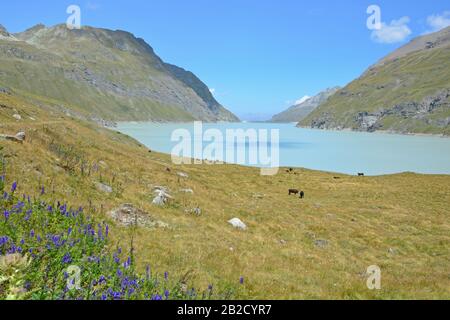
(283, 242)
(162, 196)
(103, 187)
(238, 224)
(183, 175)
(17, 116)
(321, 243)
(187, 191)
(258, 196)
(196, 211)
(392, 251)
(103, 164)
(128, 215)
(19, 137)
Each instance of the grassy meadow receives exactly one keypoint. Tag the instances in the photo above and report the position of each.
(316, 248)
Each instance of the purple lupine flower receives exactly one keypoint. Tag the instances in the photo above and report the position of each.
(67, 259)
(14, 187)
(42, 190)
(6, 214)
(241, 280)
(166, 294)
(156, 297)
(166, 275)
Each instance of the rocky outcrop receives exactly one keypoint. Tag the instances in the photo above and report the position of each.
(19, 137)
(128, 215)
(409, 110)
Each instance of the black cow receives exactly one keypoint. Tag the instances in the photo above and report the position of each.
(293, 191)
(302, 194)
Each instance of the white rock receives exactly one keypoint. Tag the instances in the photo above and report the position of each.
(183, 175)
(187, 190)
(238, 224)
(17, 116)
(162, 197)
(103, 187)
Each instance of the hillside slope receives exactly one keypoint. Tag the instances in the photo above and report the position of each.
(103, 74)
(406, 92)
(319, 247)
(300, 111)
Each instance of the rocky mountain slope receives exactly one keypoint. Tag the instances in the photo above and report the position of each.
(406, 92)
(300, 111)
(103, 74)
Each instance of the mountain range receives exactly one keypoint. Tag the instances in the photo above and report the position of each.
(304, 107)
(408, 91)
(103, 74)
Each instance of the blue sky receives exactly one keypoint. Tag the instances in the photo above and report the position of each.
(258, 56)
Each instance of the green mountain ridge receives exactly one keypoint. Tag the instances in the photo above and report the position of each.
(406, 92)
(103, 74)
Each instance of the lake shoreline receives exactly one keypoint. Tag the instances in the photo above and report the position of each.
(436, 135)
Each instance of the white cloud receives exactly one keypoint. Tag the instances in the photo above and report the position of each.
(438, 21)
(396, 31)
(300, 101)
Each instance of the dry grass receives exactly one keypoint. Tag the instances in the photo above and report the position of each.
(400, 222)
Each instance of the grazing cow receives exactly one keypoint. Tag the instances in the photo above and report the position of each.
(293, 191)
(360, 174)
(302, 194)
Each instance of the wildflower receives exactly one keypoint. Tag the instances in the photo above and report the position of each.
(156, 297)
(6, 214)
(241, 280)
(42, 190)
(14, 187)
(166, 275)
(67, 259)
(166, 294)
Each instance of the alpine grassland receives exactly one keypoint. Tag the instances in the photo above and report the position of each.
(319, 247)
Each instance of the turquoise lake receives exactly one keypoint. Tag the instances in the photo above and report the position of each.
(334, 151)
